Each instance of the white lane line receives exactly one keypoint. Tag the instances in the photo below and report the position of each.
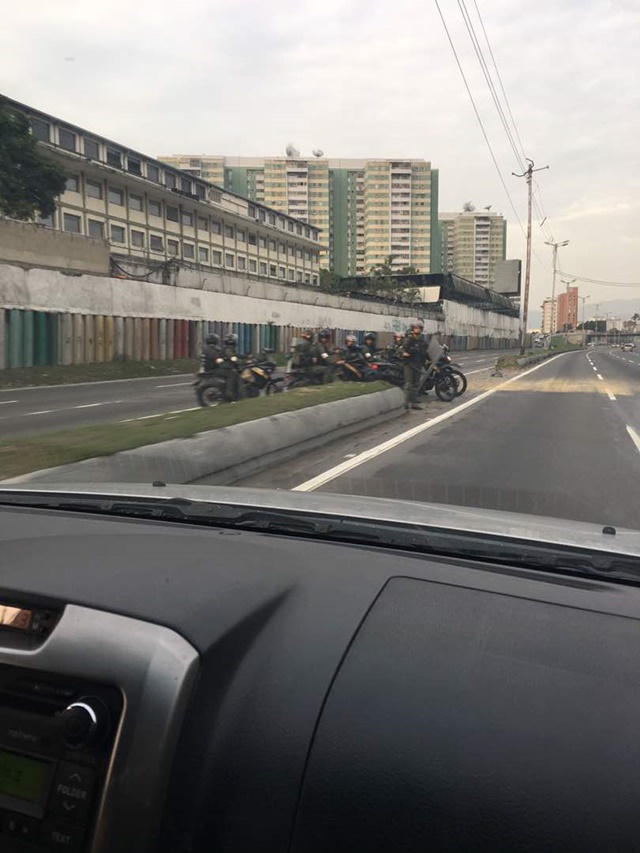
(88, 406)
(173, 384)
(43, 412)
(4, 402)
(179, 411)
(599, 376)
(378, 450)
(610, 395)
(161, 415)
(635, 438)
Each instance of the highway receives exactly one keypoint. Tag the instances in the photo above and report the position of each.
(561, 439)
(29, 411)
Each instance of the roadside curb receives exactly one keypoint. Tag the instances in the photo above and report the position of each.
(223, 455)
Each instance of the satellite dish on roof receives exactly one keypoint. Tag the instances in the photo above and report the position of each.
(318, 152)
(291, 150)
(488, 207)
(468, 207)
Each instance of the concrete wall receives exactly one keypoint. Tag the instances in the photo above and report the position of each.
(32, 244)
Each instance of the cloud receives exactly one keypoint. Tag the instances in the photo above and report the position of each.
(364, 78)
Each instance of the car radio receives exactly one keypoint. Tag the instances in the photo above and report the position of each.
(56, 740)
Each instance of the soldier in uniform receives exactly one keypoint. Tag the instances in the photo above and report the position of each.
(210, 352)
(414, 354)
(232, 367)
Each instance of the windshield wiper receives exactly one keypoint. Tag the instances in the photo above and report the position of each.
(406, 536)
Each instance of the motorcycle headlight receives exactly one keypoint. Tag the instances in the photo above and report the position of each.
(234, 358)
(219, 360)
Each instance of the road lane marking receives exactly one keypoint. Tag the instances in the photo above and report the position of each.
(635, 438)
(610, 395)
(4, 402)
(179, 411)
(88, 405)
(599, 376)
(390, 444)
(43, 412)
(479, 370)
(173, 384)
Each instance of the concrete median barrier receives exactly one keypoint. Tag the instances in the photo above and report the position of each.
(224, 455)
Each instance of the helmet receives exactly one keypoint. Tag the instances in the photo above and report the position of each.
(417, 324)
(370, 336)
(212, 340)
(398, 336)
(324, 334)
(230, 340)
(307, 334)
(350, 339)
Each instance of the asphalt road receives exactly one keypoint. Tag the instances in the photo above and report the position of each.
(28, 411)
(561, 441)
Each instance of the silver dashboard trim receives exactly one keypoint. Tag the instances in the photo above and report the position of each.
(155, 669)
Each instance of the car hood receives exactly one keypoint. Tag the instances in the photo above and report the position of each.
(515, 526)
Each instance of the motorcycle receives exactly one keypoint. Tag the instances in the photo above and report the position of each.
(442, 375)
(257, 376)
(216, 386)
(354, 368)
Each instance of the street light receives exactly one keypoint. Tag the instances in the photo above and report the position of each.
(584, 335)
(553, 286)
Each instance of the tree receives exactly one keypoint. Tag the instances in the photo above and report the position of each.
(330, 282)
(29, 181)
(635, 317)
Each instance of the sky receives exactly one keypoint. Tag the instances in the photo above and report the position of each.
(371, 78)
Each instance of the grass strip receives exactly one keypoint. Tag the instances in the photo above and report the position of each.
(23, 455)
(70, 374)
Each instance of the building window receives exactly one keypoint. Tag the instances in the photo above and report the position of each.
(203, 255)
(96, 228)
(272, 245)
(272, 219)
(242, 263)
(252, 240)
(153, 173)
(290, 226)
(228, 230)
(299, 229)
(170, 180)
(91, 149)
(41, 130)
(173, 214)
(281, 222)
(241, 236)
(155, 207)
(188, 251)
(187, 219)
(114, 158)
(252, 210)
(307, 278)
(73, 184)
(273, 270)
(203, 223)
(135, 202)
(299, 276)
(262, 215)
(66, 139)
(253, 266)
(307, 233)
(134, 166)
(262, 242)
(200, 191)
(292, 251)
(185, 185)
(291, 275)
(93, 189)
(299, 253)
(228, 260)
(281, 248)
(71, 223)
(216, 257)
(263, 268)
(155, 243)
(116, 196)
(283, 272)
(172, 247)
(117, 234)
(216, 228)
(137, 239)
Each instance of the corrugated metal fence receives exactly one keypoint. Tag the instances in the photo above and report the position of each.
(39, 338)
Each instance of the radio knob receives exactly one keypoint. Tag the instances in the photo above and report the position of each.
(84, 723)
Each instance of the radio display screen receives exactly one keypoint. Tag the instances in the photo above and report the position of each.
(21, 777)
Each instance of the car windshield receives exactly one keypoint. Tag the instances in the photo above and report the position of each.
(367, 249)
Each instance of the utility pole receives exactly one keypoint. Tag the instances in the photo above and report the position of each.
(584, 331)
(553, 286)
(524, 312)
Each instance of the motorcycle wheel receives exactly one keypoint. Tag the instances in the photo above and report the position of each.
(210, 394)
(461, 381)
(274, 388)
(446, 388)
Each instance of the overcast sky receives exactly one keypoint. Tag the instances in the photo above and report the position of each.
(367, 78)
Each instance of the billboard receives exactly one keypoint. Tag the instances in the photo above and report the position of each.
(508, 275)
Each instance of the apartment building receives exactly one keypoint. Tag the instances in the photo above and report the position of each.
(148, 209)
(547, 316)
(472, 243)
(567, 310)
(367, 210)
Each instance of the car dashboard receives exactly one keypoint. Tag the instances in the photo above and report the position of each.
(167, 688)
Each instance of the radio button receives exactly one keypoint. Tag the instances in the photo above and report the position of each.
(60, 836)
(72, 791)
(84, 723)
(21, 827)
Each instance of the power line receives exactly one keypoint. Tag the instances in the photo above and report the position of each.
(601, 281)
(475, 109)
